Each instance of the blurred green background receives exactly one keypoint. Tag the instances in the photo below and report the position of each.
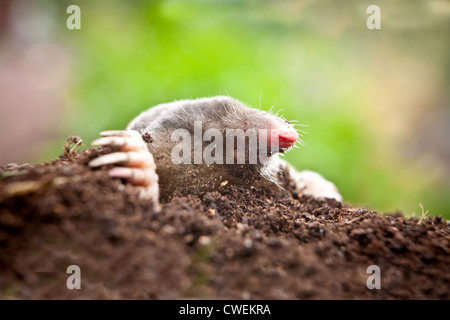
(377, 102)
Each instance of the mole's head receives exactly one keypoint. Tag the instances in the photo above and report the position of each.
(230, 114)
(221, 132)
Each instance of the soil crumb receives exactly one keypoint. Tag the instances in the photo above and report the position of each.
(234, 243)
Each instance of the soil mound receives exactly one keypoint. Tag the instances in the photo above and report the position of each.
(232, 243)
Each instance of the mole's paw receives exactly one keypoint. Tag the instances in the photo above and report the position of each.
(134, 160)
(312, 183)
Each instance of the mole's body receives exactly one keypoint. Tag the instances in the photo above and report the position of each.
(194, 146)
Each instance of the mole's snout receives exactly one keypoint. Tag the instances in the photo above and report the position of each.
(286, 138)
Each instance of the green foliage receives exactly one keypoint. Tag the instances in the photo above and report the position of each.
(300, 58)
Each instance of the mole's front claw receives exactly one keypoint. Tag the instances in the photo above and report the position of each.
(134, 160)
(310, 183)
(313, 184)
(125, 143)
(121, 133)
(141, 159)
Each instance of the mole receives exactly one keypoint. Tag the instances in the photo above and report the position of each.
(200, 145)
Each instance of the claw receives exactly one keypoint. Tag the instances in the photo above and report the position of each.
(112, 158)
(131, 158)
(121, 133)
(126, 143)
(135, 176)
(137, 165)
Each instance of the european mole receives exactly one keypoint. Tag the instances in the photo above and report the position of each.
(195, 146)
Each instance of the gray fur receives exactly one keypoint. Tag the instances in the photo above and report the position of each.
(220, 112)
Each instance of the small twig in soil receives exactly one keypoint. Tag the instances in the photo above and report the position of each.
(423, 214)
(68, 150)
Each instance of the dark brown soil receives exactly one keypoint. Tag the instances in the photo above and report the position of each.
(233, 243)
